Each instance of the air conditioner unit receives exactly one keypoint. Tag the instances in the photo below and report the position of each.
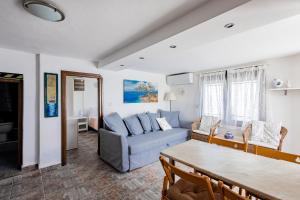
(180, 79)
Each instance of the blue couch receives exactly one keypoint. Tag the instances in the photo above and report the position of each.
(125, 151)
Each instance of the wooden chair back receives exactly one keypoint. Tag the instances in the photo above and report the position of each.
(248, 130)
(230, 144)
(228, 194)
(272, 153)
(202, 181)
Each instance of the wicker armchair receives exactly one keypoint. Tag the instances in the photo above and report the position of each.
(201, 135)
(247, 133)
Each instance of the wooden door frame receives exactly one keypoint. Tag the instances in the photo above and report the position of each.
(20, 117)
(64, 75)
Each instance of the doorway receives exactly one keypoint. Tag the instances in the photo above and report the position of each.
(11, 123)
(77, 114)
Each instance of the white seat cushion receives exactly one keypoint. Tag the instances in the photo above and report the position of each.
(262, 144)
(201, 132)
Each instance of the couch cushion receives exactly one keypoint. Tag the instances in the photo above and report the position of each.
(163, 124)
(171, 117)
(133, 124)
(115, 123)
(154, 124)
(145, 121)
(145, 142)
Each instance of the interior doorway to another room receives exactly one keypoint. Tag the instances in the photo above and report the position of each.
(81, 108)
(11, 123)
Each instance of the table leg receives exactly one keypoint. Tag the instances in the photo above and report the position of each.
(172, 162)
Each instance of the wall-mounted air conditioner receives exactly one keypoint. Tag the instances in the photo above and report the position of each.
(180, 79)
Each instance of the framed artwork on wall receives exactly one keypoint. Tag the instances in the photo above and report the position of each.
(140, 92)
(51, 95)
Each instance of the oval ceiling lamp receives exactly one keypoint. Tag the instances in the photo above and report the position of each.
(44, 10)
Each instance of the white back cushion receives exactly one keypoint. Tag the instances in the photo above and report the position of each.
(266, 132)
(207, 122)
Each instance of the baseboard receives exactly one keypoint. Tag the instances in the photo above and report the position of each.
(53, 167)
(30, 168)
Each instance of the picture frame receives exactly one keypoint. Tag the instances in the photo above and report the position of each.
(135, 91)
(50, 95)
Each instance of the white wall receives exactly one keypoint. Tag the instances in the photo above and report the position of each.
(285, 108)
(50, 128)
(42, 136)
(90, 97)
(25, 63)
(279, 107)
(113, 92)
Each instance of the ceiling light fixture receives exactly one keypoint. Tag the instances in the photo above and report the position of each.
(44, 10)
(142, 58)
(173, 46)
(229, 25)
(122, 65)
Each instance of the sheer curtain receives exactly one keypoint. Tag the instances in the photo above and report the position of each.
(212, 89)
(245, 96)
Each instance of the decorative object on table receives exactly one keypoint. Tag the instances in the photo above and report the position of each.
(140, 92)
(228, 135)
(170, 96)
(277, 83)
(51, 95)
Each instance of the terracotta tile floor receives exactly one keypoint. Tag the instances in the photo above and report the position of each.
(85, 177)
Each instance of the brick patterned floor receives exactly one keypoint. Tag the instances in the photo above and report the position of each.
(85, 177)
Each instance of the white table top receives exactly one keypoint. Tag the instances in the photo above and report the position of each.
(265, 177)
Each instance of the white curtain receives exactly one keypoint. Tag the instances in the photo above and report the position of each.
(212, 89)
(245, 95)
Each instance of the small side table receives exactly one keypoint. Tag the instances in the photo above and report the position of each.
(82, 124)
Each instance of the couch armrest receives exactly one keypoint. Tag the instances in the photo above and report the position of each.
(114, 149)
(185, 124)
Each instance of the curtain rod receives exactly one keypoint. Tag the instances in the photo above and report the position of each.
(233, 68)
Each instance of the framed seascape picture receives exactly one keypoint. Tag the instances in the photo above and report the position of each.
(140, 92)
(51, 95)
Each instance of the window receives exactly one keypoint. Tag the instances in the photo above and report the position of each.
(213, 100)
(234, 96)
(243, 103)
(212, 87)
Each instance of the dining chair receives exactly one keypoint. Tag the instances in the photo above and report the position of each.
(202, 135)
(229, 143)
(189, 186)
(228, 194)
(279, 155)
(256, 147)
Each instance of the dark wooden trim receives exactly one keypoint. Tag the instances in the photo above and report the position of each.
(20, 124)
(64, 75)
(20, 117)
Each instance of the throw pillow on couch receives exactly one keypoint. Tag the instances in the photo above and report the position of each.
(172, 117)
(133, 124)
(145, 122)
(164, 125)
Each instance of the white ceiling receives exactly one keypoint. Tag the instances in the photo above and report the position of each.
(119, 32)
(94, 29)
(264, 29)
(91, 30)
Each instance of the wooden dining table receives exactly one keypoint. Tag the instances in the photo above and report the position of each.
(264, 177)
